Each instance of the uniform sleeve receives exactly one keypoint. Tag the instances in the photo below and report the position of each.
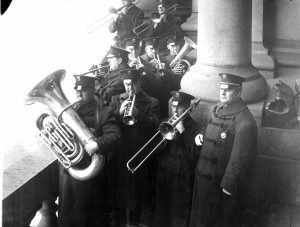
(243, 153)
(139, 18)
(110, 132)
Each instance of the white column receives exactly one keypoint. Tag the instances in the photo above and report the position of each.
(260, 58)
(224, 45)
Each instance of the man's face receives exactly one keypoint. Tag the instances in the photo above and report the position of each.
(131, 49)
(131, 87)
(86, 94)
(173, 48)
(150, 51)
(229, 93)
(114, 62)
(178, 109)
(160, 8)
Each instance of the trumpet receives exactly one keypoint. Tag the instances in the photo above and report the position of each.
(128, 118)
(168, 131)
(110, 16)
(161, 67)
(138, 30)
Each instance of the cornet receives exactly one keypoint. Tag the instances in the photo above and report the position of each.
(168, 131)
(161, 67)
(128, 118)
(101, 69)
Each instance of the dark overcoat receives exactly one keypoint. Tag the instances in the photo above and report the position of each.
(111, 85)
(159, 86)
(227, 154)
(84, 203)
(133, 190)
(126, 23)
(175, 179)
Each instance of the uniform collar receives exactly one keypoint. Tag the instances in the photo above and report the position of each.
(222, 109)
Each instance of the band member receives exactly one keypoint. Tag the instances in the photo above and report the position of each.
(228, 152)
(134, 45)
(162, 28)
(133, 191)
(173, 47)
(157, 82)
(162, 5)
(84, 203)
(126, 19)
(175, 170)
(112, 84)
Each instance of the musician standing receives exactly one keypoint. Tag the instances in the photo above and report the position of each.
(133, 190)
(227, 155)
(157, 84)
(126, 19)
(84, 203)
(176, 170)
(112, 84)
(162, 5)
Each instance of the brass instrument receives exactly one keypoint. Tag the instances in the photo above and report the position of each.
(110, 16)
(128, 118)
(103, 71)
(167, 130)
(138, 30)
(161, 67)
(188, 46)
(62, 129)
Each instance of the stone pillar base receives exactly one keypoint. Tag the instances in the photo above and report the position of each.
(262, 61)
(203, 81)
(287, 53)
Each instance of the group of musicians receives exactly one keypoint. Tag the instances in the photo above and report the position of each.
(193, 179)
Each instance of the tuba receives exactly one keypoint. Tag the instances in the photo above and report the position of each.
(64, 132)
(188, 46)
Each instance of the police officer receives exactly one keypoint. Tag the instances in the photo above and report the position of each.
(112, 84)
(84, 203)
(228, 152)
(133, 191)
(176, 167)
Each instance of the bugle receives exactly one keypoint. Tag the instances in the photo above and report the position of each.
(168, 131)
(128, 118)
(138, 30)
(110, 16)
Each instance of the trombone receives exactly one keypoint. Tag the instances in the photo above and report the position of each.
(167, 130)
(109, 17)
(154, 16)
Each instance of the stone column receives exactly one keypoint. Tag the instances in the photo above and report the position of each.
(224, 45)
(260, 58)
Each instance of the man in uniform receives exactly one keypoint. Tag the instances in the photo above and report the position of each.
(228, 152)
(176, 170)
(126, 20)
(133, 45)
(133, 190)
(112, 84)
(157, 82)
(84, 203)
(181, 68)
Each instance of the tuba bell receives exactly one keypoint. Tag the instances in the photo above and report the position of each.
(62, 129)
(188, 46)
